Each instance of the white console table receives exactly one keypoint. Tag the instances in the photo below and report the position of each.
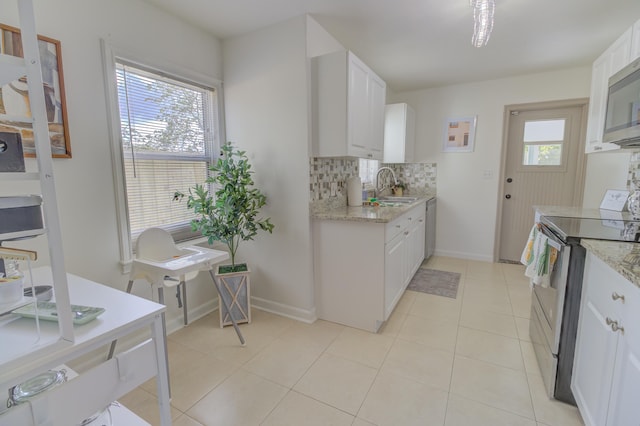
(92, 390)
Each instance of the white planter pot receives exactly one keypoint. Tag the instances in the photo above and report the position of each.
(235, 289)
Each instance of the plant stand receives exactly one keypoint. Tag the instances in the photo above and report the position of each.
(234, 292)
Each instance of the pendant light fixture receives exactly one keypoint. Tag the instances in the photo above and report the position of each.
(483, 11)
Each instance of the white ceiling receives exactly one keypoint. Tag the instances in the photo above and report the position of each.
(416, 44)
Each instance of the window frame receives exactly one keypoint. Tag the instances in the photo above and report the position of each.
(111, 55)
(564, 155)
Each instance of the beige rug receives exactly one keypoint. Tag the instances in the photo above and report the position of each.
(432, 281)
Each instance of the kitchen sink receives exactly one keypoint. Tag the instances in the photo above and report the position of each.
(400, 200)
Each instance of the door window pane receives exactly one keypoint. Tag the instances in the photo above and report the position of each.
(542, 155)
(544, 130)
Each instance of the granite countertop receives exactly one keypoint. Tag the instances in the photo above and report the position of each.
(380, 214)
(624, 258)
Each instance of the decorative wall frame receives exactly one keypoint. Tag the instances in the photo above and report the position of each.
(459, 134)
(14, 100)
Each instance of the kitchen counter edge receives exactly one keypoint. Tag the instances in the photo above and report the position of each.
(381, 214)
(623, 257)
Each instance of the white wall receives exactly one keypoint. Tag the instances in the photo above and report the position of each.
(467, 200)
(605, 170)
(85, 182)
(266, 101)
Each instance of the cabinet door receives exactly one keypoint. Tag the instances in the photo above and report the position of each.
(624, 408)
(399, 133)
(597, 103)
(393, 272)
(358, 122)
(593, 364)
(419, 243)
(595, 353)
(377, 97)
(611, 61)
(635, 42)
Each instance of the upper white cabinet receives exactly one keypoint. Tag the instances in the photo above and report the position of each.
(620, 54)
(616, 57)
(348, 101)
(399, 133)
(635, 41)
(606, 369)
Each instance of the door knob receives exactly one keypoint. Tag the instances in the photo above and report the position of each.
(509, 180)
(508, 196)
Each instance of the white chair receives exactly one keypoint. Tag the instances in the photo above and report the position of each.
(162, 264)
(157, 245)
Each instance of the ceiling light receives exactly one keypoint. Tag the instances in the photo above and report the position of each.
(482, 21)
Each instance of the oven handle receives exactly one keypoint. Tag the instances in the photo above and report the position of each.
(553, 240)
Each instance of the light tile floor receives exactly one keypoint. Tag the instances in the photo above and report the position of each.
(438, 362)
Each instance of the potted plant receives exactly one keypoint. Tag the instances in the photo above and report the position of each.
(398, 189)
(230, 216)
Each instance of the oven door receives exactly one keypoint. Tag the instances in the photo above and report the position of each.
(550, 300)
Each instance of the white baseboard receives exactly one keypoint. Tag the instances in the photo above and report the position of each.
(305, 315)
(463, 255)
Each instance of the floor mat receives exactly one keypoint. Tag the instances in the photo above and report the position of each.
(432, 281)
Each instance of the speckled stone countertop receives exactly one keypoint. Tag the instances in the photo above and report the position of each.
(624, 258)
(563, 211)
(382, 214)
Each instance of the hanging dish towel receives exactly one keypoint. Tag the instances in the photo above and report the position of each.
(539, 257)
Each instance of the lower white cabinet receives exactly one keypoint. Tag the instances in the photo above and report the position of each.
(606, 370)
(361, 269)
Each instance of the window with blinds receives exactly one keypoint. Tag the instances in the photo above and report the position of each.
(168, 134)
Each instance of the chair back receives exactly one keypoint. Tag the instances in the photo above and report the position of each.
(155, 244)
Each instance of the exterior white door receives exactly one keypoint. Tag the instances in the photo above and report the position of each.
(544, 165)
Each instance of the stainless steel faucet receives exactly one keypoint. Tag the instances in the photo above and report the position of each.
(380, 170)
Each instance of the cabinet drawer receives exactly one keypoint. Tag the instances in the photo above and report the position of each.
(395, 227)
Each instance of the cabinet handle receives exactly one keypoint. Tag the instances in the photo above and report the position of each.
(408, 218)
(616, 296)
(614, 325)
(420, 221)
(406, 232)
(398, 226)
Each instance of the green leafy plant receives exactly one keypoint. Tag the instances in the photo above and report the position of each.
(232, 215)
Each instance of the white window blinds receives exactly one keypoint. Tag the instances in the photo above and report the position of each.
(167, 134)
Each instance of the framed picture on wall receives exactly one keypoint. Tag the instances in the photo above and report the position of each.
(459, 134)
(14, 100)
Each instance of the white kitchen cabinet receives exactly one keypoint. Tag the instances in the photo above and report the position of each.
(348, 101)
(606, 372)
(416, 239)
(616, 57)
(399, 133)
(361, 268)
(404, 254)
(635, 41)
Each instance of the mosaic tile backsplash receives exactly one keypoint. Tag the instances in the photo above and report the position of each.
(634, 169)
(328, 176)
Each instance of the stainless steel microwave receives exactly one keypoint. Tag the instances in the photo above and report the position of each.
(622, 119)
